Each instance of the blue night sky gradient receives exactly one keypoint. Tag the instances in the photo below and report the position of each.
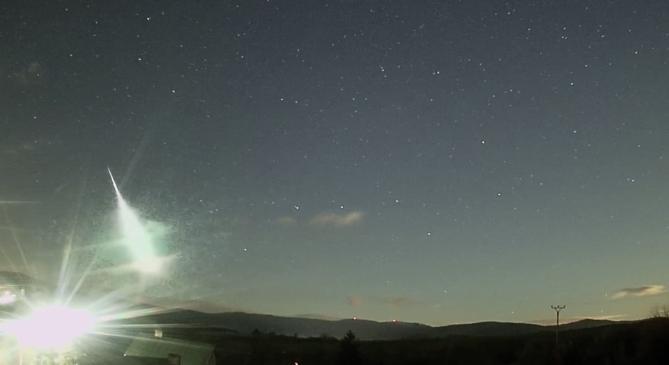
(432, 161)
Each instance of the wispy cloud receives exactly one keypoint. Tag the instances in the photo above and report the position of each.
(605, 317)
(27, 75)
(354, 301)
(286, 221)
(550, 321)
(395, 302)
(337, 220)
(641, 291)
(400, 302)
(17, 202)
(324, 317)
(20, 147)
(323, 219)
(207, 305)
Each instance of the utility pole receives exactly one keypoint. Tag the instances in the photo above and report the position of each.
(557, 309)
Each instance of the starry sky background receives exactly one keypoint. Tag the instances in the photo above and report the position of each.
(432, 161)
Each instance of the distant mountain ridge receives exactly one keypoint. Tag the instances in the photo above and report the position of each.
(246, 323)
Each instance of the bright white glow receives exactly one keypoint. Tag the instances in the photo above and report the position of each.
(135, 236)
(137, 239)
(7, 297)
(51, 328)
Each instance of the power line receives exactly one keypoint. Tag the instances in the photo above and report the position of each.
(557, 309)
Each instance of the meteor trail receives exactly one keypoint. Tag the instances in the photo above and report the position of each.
(135, 235)
(118, 193)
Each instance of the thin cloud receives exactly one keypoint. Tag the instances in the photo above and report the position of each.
(337, 220)
(286, 221)
(550, 321)
(323, 317)
(401, 302)
(354, 301)
(28, 75)
(207, 305)
(641, 291)
(606, 317)
(397, 302)
(17, 202)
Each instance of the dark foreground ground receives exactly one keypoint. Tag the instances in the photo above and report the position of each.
(643, 342)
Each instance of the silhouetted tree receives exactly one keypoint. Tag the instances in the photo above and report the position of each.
(349, 354)
(660, 312)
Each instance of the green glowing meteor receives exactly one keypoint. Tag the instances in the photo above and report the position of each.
(135, 236)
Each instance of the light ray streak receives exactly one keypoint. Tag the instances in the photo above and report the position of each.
(63, 276)
(82, 279)
(17, 241)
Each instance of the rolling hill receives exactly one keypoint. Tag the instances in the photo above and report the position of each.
(246, 323)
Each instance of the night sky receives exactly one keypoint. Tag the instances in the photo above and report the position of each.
(431, 161)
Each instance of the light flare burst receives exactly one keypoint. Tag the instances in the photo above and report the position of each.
(54, 325)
